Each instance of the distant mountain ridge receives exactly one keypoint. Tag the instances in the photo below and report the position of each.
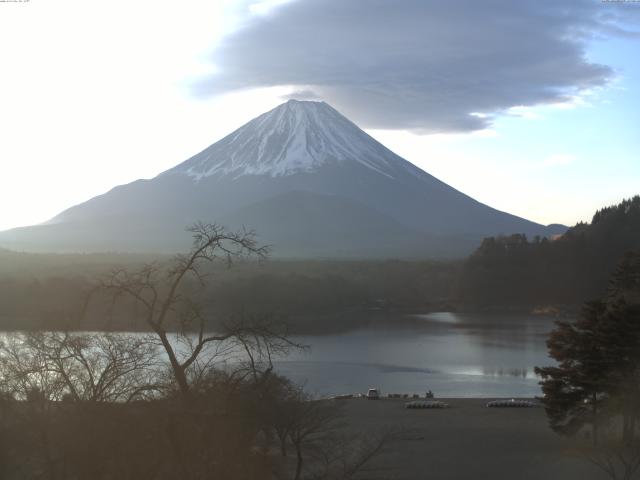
(308, 180)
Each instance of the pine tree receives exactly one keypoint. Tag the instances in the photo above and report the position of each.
(574, 390)
(598, 355)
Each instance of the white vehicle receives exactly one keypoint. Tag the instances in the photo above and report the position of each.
(373, 394)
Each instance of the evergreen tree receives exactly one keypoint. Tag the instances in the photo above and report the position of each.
(574, 390)
(510, 270)
(598, 355)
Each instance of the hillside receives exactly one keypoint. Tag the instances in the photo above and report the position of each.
(514, 270)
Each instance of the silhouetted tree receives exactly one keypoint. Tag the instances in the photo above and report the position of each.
(58, 387)
(573, 390)
(158, 291)
(597, 379)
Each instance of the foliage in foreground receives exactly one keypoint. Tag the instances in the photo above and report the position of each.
(78, 406)
(180, 402)
(597, 380)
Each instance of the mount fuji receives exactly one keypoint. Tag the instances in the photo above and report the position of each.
(305, 178)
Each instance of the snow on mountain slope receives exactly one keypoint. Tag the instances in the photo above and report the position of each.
(294, 137)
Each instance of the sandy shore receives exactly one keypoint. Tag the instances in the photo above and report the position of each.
(467, 440)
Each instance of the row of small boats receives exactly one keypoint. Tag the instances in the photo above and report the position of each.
(513, 403)
(426, 404)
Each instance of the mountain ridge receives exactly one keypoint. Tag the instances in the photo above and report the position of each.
(303, 147)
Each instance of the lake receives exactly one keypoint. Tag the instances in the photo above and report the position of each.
(452, 354)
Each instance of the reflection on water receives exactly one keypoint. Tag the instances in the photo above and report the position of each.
(440, 317)
(456, 355)
(508, 372)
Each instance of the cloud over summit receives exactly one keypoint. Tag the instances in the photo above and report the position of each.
(418, 64)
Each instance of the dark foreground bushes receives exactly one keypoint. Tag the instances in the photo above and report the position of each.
(157, 439)
(98, 406)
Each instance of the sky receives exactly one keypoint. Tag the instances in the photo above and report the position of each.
(532, 107)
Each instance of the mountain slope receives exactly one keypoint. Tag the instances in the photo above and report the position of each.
(297, 136)
(293, 174)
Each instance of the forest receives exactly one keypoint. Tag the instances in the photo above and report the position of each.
(40, 291)
(46, 291)
(512, 271)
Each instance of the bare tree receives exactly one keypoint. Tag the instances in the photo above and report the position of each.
(311, 421)
(619, 460)
(347, 456)
(260, 340)
(80, 367)
(617, 452)
(325, 448)
(58, 387)
(25, 371)
(159, 291)
(25, 377)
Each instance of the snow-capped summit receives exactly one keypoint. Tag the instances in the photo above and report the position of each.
(293, 137)
(306, 179)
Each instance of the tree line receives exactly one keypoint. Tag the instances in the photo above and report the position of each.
(48, 291)
(516, 271)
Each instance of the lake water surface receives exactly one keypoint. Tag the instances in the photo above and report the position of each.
(453, 354)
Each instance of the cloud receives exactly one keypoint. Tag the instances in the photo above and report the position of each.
(523, 112)
(302, 94)
(423, 65)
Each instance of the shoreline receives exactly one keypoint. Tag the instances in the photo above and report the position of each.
(319, 324)
(467, 440)
(455, 401)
